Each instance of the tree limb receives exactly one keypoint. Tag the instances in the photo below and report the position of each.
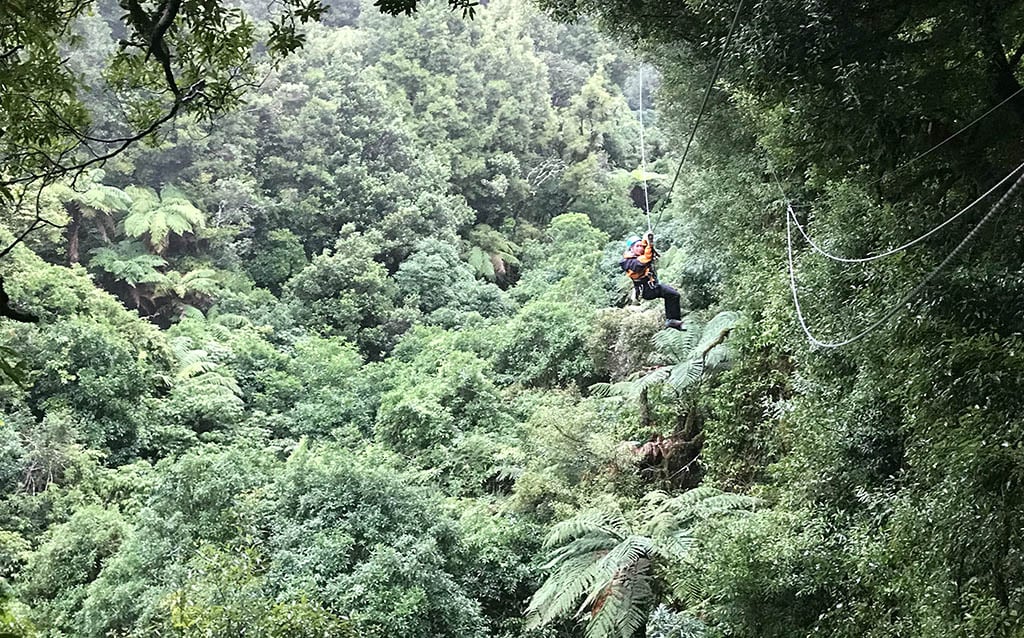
(60, 170)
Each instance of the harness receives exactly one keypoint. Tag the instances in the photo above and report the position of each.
(645, 278)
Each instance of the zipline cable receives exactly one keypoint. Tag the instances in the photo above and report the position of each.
(898, 306)
(704, 104)
(643, 153)
(863, 260)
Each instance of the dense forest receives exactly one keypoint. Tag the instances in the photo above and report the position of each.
(312, 322)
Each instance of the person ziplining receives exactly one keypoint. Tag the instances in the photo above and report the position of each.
(638, 263)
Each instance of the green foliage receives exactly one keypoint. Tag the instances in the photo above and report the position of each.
(622, 340)
(450, 417)
(56, 578)
(612, 564)
(665, 623)
(546, 345)
(372, 540)
(375, 440)
(160, 216)
(601, 194)
(278, 259)
(337, 393)
(344, 292)
(598, 121)
(431, 275)
(495, 562)
(228, 594)
(417, 503)
(407, 592)
(95, 373)
(568, 264)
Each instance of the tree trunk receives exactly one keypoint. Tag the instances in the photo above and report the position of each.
(74, 210)
(645, 410)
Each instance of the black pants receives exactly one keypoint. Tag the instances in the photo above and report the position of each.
(668, 293)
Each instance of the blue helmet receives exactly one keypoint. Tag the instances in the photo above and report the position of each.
(632, 240)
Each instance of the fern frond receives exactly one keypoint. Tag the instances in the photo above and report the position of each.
(128, 261)
(601, 390)
(595, 522)
(559, 593)
(718, 356)
(632, 388)
(191, 312)
(684, 584)
(703, 503)
(620, 610)
(590, 544)
(715, 329)
(677, 343)
(685, 373)
(622, 559)
(481, 262)
(142, 197)
(215, 379)
(677, 544)
(104, 199)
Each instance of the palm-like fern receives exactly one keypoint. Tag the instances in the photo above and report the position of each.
(128, 261)
(201, 281)
(491, 254)
(603, 564)
(158, 216)
(197, 366)
(98, 203)
(99, 197)
(183, 290)
(693, 351)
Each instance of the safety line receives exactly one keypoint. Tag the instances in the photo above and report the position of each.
(643, 152)
(863, 260)
(703, 105)
(898, 306)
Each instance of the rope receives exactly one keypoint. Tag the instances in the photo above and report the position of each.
(863, 260)
(898, 306)
(704, 103)
(643, 153)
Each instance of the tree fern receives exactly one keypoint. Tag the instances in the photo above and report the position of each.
(695, 351)
(128, 261)
(603, 564)
(98, 197)
(158, 216)
(491, 254)
(198, 369)
(202, 281)
(481, 262)
(191, 361)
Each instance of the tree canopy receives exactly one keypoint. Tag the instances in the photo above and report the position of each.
(312, 323)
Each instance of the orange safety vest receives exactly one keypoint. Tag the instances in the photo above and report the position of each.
(641, 275)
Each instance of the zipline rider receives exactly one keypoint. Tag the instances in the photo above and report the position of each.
(638, 263)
